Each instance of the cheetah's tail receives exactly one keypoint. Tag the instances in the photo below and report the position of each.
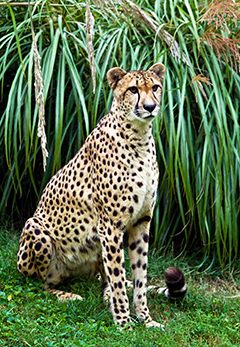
(176, 284)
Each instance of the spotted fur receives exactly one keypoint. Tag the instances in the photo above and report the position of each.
(107, 189)
(176, 284)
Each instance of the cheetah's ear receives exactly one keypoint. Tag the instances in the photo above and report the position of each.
(114, 75)
(159, 70)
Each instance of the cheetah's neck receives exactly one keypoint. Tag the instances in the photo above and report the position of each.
(132, 131)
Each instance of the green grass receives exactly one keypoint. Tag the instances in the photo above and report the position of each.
(208, 316)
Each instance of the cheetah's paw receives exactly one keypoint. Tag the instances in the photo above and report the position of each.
(152, 323)
(69, 296)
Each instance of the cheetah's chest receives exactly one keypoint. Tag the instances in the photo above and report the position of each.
(143, 187)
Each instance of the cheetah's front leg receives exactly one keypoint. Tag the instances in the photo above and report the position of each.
(113, 260)
(138, 251)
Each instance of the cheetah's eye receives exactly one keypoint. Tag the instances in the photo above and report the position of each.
(155, 88)
(133, 90)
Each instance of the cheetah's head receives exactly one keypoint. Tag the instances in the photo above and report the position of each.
(137, 93)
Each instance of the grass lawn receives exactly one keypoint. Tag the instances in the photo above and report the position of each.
(209, 315)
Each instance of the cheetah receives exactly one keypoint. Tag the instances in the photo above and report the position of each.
(107, 189)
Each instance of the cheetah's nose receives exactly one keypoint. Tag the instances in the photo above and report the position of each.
(149, 108)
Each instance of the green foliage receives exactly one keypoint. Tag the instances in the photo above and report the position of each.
(208, 316)
(197, 135)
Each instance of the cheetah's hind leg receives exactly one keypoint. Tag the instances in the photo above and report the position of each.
(62, 295)
(55, 274)
(37, 258)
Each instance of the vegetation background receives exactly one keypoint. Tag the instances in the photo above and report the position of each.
(197, 134)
